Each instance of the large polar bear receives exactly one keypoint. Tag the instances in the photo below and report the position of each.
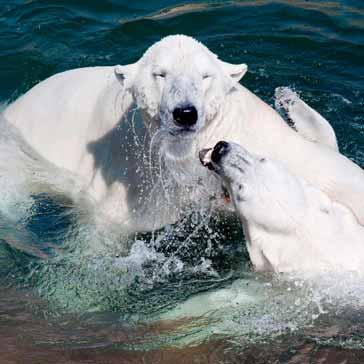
(103, 124)
(290, 225)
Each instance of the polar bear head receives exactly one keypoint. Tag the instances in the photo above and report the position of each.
(180, 85)
(263, 191)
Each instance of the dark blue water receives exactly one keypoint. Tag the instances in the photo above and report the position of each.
(61, 305)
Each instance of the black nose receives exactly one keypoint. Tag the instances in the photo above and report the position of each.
(185, 116)
(220, 149)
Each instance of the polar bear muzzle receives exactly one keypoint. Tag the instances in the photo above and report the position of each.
(211, 157)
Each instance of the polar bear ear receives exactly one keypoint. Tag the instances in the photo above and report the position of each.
(126, 74)
(235, 71)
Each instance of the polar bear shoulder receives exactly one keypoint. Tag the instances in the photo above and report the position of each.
(78, 106)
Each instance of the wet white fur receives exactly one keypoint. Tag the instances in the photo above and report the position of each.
(80, 121)
(290, 225)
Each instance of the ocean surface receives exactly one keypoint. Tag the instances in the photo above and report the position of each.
(185, 294)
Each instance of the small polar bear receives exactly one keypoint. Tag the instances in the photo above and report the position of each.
(102, 124)
(290, 225)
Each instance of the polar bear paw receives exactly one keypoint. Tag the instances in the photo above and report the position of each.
(285, 99)
(303, 119)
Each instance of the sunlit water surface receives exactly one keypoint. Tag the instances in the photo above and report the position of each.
(186, 293)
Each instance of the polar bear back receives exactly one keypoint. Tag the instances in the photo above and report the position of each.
(86, 94)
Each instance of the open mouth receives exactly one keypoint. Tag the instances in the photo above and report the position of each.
(211, 157)
(205, 158)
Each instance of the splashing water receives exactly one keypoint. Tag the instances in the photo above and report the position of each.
(56, 244)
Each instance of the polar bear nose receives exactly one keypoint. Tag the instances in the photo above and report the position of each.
(220, 149)
(185, 116)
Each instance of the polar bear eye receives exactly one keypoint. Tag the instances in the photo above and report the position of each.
(159, 74)
(206, 76)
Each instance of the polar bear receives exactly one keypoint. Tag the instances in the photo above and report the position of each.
(132, 133)
(290, 225)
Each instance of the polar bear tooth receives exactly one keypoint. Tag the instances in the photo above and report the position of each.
(205, 156)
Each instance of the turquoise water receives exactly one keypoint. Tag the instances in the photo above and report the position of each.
(60, 304)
